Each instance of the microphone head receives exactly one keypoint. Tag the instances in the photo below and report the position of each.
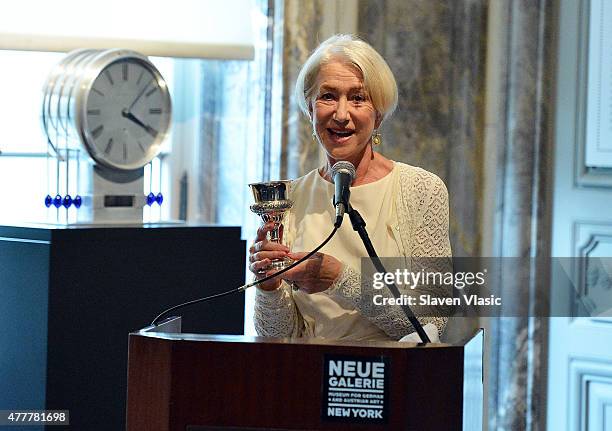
(343, 167)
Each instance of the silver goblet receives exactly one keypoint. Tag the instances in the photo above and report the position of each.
(272, 205)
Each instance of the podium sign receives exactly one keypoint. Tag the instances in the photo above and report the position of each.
(355, 389)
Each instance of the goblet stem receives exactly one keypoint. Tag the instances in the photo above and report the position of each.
(275, 234)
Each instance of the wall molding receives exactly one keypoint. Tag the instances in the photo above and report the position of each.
(591, 386)
(593, 248)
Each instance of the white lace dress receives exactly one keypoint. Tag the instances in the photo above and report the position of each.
(406, 214)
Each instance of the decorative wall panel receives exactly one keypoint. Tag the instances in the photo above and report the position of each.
(591, 388)
(593, 242)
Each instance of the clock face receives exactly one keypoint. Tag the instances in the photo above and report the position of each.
(127, 114)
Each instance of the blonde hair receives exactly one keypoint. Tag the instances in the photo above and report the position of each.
(378, 80)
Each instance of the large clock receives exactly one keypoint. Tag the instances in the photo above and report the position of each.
(114, 106)
(122, 109)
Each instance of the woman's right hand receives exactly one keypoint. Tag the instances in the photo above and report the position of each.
(261, 254)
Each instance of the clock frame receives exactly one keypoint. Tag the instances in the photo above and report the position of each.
(137, 114)
(121, 117)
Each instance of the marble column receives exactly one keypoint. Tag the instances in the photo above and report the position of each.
(519, 147)
(436, 51)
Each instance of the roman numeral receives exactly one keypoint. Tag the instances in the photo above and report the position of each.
(95, 90)
(151, 91)
(109, 146)
(110, 78)
(124, 151)
(140, 145)
(125, 71)
(93, 112)
(97, 131)
(155, 111)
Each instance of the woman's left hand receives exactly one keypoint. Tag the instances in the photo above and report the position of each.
(315, 274)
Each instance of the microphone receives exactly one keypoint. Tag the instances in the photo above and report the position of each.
(343, 174)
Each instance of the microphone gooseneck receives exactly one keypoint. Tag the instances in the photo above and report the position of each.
(359, 226)
(343, 175)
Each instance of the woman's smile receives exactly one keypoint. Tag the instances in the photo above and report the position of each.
(340, 136)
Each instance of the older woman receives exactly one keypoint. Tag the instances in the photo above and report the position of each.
(347, 90)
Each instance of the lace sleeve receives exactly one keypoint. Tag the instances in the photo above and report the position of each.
(425, 196)
(347, 290)
(275, 313)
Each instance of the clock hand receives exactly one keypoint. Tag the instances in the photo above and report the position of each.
(139, 95)
(150, 130)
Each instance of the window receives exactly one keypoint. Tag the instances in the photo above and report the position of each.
(213, 152)
(216, 115)
(28, 169)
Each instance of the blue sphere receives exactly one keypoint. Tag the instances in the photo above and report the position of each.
(159, 198)
(67, 201)
(48, 201)
(77, 201)
(57, 201)
(150, 199)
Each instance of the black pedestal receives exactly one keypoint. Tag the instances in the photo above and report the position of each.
(70, 296)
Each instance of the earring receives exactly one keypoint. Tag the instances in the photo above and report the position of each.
(314, 136)
(376, 137)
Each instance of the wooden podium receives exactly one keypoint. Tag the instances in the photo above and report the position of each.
(201, 382)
